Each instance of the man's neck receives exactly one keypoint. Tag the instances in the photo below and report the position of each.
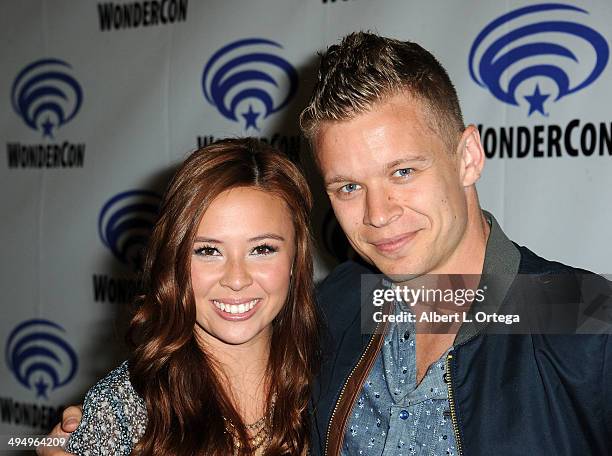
(468, 258)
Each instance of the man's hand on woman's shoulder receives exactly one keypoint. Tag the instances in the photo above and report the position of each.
(71, 417)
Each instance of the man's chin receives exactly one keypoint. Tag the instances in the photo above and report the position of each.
(396, 268)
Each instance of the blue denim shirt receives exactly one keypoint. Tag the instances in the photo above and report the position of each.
(392, 416)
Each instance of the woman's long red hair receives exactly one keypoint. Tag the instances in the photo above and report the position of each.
(169, 368)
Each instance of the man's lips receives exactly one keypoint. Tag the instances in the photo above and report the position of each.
(393, 244)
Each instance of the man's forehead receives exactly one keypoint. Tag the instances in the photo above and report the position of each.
(339, 150)
(399, 118)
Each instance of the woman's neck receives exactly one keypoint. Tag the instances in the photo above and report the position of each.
(243, 372)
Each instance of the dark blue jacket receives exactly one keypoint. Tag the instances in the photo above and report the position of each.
(530, 394)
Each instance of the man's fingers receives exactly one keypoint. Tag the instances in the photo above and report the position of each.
(71, 417)
(53, 451)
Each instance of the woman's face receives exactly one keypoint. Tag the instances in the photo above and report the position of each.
(241, 265)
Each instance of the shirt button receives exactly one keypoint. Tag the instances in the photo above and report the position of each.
(403, 415)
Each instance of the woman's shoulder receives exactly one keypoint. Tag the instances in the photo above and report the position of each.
(116, 388)
(114, 417)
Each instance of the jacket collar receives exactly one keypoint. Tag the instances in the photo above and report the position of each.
(501, 265)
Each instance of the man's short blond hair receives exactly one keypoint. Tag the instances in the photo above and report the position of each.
(366, 69)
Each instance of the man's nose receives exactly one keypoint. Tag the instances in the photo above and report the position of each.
(236, 275)
(380, 208)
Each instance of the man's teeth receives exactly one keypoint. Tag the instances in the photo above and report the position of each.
(235, 308)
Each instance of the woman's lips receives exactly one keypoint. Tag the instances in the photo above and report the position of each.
(236, 310)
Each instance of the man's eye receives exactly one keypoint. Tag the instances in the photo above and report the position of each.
(349, 188)
(207, 251)
(403, 172)
(263, 250)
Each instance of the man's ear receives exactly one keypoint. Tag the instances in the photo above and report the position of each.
(471, 156)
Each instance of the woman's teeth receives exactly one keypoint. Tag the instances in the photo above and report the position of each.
(235, 308)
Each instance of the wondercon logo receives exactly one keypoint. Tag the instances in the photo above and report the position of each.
(39, 357)
(46, 96)
(536, 54)
(247, 81)
(125, 223)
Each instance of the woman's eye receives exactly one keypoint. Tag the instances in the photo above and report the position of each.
(263, 250)
(403, 172)
(349, 188)
(207, 251)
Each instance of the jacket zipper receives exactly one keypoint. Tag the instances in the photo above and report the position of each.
(451, 402)
(331, 419)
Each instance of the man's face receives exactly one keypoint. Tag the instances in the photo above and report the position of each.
(396, 191)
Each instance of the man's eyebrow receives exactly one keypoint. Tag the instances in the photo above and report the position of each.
(260, 237)
(405, 160)
(337, 180)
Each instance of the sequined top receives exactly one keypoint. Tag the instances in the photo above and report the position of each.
(114, 418)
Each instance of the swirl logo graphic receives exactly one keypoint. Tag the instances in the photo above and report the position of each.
(46, 96)
(125, 223)
(520, 47)
(39, 357)
(246, 80)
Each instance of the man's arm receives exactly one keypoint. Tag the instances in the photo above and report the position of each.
(71, 417)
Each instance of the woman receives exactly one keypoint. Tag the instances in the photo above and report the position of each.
(224, 339)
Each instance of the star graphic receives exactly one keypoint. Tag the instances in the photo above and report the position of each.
(47, 128)
(251, 118)
(41, 388)
(536, 101)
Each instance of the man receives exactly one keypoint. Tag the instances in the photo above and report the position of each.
(400, 170)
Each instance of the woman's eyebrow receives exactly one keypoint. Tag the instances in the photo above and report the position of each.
(206, 239)
(261, 237)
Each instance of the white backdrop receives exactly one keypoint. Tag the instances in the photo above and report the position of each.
(99, 101)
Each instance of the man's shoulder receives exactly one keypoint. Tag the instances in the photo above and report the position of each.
(340, 292)
(587, 294)
(555, 272)
(531, 263)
